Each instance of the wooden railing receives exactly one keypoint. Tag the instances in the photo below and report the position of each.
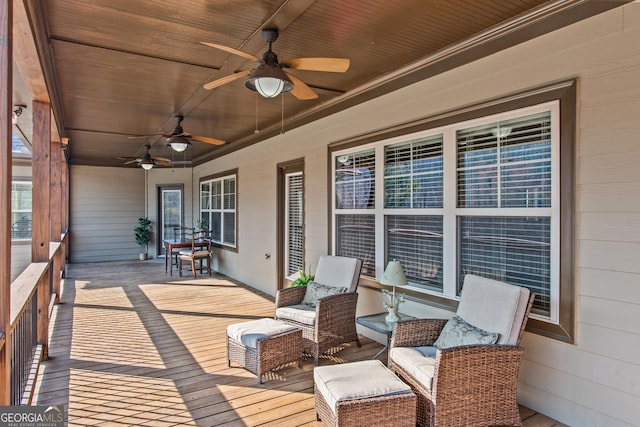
(29, 323)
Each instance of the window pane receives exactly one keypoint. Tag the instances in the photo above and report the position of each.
(416, 241)
(511, 249)
(354, 181)
(216, 226)
(21, 225)
(413, 174)
(229, 228)
(205, 196)
(230, 193)
(21, 210)
(355, 237)
(506, 164)
(216, 195)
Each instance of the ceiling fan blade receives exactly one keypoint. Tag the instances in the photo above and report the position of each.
(129, 160)
(161, 159)
(300, 89)
(148, 136)
(334, 65)
(224, 80)
(207, 140)
(232, 50)
(162, 163)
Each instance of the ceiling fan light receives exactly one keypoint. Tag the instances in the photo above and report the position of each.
(178, 143)
(146, 166)
(269, 81)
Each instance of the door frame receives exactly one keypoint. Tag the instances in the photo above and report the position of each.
(159, 189)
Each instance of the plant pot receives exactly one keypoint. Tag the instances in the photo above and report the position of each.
(143, 257)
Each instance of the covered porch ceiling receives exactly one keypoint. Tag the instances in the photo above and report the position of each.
(116, 68)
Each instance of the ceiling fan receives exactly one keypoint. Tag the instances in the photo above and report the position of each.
(269, 79)
(146, 161)
(179, 140)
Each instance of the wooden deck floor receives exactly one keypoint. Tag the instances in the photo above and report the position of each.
(132, 346)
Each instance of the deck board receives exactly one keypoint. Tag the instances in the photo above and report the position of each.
(130, 345)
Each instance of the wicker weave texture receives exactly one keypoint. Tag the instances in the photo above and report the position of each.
(270, 353)
(472, 385)
(396, 410)
(335, 320)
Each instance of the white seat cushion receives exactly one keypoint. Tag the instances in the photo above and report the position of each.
(248, 333)
(357, 380)
(300, 313)
(413, 360)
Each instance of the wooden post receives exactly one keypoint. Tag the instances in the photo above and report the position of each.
(41, 214)
(6, 101)
(55, 207)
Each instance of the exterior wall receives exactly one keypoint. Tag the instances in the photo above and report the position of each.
(593, 382)
(105, 206)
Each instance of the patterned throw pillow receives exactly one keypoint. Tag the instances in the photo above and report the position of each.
(315, 291)
(457, 332)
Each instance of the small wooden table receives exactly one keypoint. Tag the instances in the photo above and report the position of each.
(378, 323)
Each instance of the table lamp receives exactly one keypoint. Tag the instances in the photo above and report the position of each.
(393, 276)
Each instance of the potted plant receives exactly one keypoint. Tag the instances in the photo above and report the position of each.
(302, 278)
(143, 236)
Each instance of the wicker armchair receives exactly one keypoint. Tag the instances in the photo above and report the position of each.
(333, 320)
(471, 385)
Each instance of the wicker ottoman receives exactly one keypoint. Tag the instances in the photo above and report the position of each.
(362, 394)
(263, 345)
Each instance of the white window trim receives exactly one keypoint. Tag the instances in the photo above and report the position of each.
(222, 209)
(450, 211)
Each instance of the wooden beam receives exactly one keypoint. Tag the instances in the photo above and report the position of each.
(26, 57)
(6, 85)
(41, 211)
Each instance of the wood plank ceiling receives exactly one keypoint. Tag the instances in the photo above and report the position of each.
(127, 67)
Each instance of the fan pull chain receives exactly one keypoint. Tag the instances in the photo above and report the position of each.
(282, 114)
(256, 131)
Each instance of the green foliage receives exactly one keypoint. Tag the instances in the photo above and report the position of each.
(303, 278)
(203, 224)
(143, 232)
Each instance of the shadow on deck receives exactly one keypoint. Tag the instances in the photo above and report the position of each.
(130, 345)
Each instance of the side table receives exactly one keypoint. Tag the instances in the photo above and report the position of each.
(377, 322)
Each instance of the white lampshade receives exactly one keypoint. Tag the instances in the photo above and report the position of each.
(269, 87)
(394, 275)
(269, 81)
(146, 166)
(179, 146)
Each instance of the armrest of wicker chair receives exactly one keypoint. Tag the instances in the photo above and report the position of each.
(416, 333)
(492, 382)
(336, 314)
(290, 296)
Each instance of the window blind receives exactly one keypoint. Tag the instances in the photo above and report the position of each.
(505, 164)
(295, 261)
(355, 181)
(416, 241)
(355, 237)
(515, 250)
(413, 174)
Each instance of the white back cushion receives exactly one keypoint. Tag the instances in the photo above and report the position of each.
(494, 306)
(338, 271)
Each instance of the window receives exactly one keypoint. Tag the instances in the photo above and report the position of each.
(218, 208)
(21, 210)
(354, 199)
(477, 196)
(294, 223)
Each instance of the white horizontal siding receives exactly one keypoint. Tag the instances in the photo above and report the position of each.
(105, 206)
